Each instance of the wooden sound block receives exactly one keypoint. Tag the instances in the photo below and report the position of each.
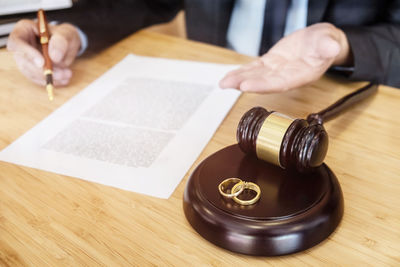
(295, 212)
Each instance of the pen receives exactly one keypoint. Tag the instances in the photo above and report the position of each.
(44, 36)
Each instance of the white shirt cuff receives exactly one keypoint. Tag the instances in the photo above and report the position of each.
(84, 41)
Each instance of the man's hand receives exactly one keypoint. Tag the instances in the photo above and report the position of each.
(296, 60)
(64, 45)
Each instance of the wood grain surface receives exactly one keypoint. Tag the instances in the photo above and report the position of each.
(54, 220)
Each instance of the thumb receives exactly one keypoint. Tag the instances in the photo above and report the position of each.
(58, 47)
(327, 47)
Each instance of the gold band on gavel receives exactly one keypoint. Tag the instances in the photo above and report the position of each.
(270, 137)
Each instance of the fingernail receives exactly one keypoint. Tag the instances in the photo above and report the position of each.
(38, 62)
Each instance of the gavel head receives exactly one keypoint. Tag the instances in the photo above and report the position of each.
(276, 138)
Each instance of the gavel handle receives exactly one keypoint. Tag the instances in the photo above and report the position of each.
(348, 100)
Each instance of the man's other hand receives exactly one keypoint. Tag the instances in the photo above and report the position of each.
(296, 60)
(64, 45)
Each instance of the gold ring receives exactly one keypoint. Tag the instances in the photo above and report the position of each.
(238, 184)
(247, 185)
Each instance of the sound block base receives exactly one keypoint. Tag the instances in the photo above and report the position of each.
(295, 212)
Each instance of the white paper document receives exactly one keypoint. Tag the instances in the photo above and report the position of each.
(22, 6)
(139, 127)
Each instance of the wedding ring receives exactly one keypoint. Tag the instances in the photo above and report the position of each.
(247, 185)
(224, 185)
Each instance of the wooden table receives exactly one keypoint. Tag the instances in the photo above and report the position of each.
(50, 219)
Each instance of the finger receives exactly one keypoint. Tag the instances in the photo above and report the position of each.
(30, 53)
(253, 64)
(64, 44)
(71, 55)
(327, 47)
(231, 81)
(60, 74)
(29, 69)
(74, 44)
(234, 78)
(58, 47)
(234, 81)
(273, 81)
(25, 30)
(23, 40)
(260, 84)
(287, 78)
(59, 83)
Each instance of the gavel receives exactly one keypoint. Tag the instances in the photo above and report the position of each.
(299, 144)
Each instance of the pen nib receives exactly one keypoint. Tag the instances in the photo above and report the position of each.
(49, 89)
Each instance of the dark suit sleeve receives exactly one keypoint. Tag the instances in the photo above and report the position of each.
(107, 21)
(376, 49)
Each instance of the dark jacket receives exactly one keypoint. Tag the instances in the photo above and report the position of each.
(372, 26)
